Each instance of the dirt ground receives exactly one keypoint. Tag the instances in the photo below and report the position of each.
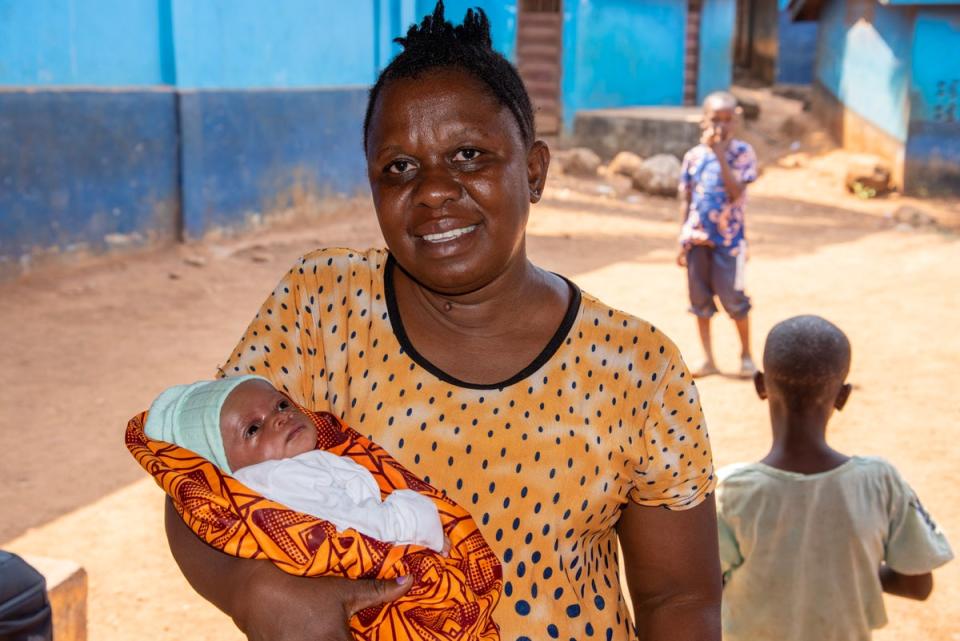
(89, 345)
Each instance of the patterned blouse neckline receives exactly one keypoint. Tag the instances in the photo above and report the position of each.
(396, 323)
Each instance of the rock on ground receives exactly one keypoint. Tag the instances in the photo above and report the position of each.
(659, 175)
(578, 161)
(625, 163)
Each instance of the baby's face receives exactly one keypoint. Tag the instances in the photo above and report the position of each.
(258, 424)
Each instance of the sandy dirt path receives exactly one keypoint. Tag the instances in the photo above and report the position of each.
(87, 347)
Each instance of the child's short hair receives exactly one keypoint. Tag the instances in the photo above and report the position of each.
(804, 356)
(721, 100)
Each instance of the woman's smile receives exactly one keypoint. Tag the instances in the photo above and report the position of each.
(447, 236)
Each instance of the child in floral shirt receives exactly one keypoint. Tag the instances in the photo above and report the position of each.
(713, 245)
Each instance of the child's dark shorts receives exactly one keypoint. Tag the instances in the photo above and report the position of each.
(714, 273)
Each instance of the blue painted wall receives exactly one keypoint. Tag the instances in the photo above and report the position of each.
(866, 64)
(796, 50)
(230, 44)
(783, 51)
(76, 166)
(717, 25)
(260, 100)
(248, 152)
(116, 43)
(932, 164)
(622, 52)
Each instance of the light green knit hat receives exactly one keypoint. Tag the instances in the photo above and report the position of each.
(189, 416)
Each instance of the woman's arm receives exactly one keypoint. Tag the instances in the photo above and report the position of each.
(673, 571)
(265, 602)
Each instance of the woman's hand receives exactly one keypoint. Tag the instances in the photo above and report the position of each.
(275, 606)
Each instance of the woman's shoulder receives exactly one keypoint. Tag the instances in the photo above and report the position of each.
(607, 326)
(341, 258)
(329, 268)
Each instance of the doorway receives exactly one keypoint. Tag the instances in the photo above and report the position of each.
(539, 48)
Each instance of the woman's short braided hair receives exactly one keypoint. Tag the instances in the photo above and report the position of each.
(436, 44)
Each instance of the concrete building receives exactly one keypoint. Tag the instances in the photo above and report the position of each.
(156, 120)
(887, 82)
(771, 45)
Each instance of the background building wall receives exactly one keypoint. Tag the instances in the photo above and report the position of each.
(272, 98)
(763, 58)
(163, 119)
(240, 44)
(782, 51)
(863, 60)
(129, 122)
(717, 26)
(90, 43)
(88, 133)
(82, 169)
(932, 163)
(620, 52)
(796, 48)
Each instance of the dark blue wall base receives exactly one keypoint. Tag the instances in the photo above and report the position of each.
(932, 163)
(79, 168)
(245, 152)
(94, 170)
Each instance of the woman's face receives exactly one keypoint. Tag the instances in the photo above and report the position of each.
(452, 180)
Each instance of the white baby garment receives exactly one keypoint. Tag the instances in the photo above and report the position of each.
(337, 489)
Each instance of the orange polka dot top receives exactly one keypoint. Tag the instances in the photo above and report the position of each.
(606, 414)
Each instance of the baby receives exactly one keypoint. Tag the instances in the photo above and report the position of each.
(257, 435)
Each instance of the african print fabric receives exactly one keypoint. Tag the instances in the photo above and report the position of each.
(451, 599)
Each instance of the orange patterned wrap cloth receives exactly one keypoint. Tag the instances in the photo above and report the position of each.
(452, 598)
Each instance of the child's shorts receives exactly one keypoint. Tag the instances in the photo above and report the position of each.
(712, 273)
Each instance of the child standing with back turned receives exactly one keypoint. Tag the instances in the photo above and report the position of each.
(713, 246)
(810, 538)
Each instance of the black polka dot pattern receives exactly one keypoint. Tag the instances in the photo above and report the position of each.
(544, 463)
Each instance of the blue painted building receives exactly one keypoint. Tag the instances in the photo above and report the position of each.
(887, 81)
(771, 45)
(156, 120)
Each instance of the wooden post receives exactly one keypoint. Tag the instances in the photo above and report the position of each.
(691, 57)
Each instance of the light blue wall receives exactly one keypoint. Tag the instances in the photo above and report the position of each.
(935, 81)
(622, 52)
(932, 164)
(717, 25)
(224, 44)
(115, 43)
(867, 65)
